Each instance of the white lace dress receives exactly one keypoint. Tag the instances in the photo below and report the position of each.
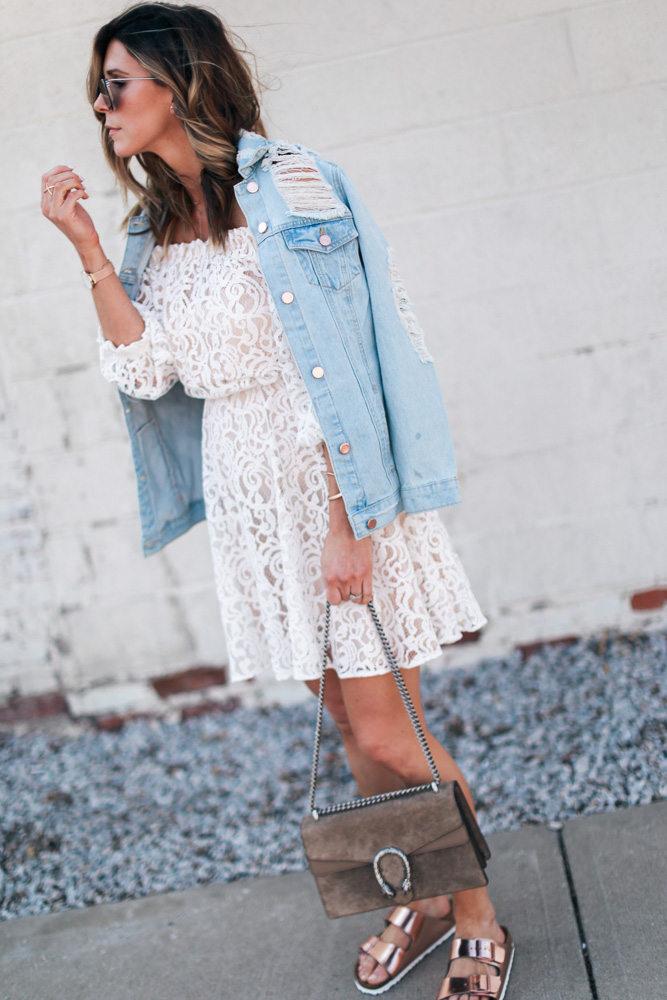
(210, 322)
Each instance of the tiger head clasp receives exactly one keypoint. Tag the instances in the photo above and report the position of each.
(387, 889)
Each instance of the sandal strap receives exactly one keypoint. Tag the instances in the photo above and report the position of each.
(407, 920)
(367, 945)
(477, 985)
(386, 954)
(481, 949)
(423, 933)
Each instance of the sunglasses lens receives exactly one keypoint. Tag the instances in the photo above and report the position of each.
(105, 94)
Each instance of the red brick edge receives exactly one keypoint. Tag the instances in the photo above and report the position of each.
(528, 648)
(25, 708)
(649, 600)
(114, 722)
(193, 679)
(469, 637)
(36, 706)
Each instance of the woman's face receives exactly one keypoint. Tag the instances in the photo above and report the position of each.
(141, 121)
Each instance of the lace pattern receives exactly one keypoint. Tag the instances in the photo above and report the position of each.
(211, 322)
(145, 368)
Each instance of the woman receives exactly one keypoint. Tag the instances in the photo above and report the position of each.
(269, 321)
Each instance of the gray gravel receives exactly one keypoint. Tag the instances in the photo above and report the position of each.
(161, 806)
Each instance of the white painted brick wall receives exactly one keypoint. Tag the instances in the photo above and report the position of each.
(516, 155)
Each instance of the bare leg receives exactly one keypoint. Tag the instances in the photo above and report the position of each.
(384, 754)
(371, 778)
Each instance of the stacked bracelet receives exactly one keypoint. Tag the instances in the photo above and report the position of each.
(336, 496)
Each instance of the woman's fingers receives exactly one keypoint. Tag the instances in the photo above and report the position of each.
(55, 176)
(367, 588)
(56, 185)
(51, 175)
(76, 194)
(62, 190)
(58, 169)
(347, 568)
(358, 592)
(360, 589)
(64, 186)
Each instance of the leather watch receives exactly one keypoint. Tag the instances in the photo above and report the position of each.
(90, 278)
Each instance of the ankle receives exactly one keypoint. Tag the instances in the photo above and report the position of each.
(437, 907)
(476, 924)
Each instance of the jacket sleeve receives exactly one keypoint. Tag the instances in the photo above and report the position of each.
(418, 427)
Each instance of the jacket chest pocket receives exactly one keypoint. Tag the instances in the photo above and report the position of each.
(328, 252)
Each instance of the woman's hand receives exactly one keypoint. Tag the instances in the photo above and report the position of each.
(62, 192)
(347, 565)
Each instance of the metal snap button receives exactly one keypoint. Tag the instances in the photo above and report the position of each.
(317, 372)
(262, 227)
(252, 187)
(371, 523)
(287, 297)
(325, 240)
(344, 448)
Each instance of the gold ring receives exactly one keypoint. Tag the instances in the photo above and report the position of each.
(50, 189)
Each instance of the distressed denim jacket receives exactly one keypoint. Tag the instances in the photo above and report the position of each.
(353, 334)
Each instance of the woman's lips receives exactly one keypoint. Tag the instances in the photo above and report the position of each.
(112, 130)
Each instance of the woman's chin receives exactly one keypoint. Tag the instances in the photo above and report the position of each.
(121, 146)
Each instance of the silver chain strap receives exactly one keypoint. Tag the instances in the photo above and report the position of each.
(409, 707)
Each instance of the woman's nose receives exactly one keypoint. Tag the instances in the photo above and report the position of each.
(99, 104)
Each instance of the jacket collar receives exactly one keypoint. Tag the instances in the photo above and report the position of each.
(251, 148)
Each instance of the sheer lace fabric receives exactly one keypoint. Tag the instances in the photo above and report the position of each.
(210, 321)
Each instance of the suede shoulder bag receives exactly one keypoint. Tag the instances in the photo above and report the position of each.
(396, 847)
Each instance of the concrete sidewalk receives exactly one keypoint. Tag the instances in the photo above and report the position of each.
(602, 880)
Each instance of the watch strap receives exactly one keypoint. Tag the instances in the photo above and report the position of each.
(95, 276)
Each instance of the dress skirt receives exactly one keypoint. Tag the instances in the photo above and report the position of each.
(268, 515)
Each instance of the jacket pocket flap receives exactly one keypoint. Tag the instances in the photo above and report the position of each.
(334, 232)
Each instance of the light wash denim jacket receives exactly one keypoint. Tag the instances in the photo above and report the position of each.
(353, 335)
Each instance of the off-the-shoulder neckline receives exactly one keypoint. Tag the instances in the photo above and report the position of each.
(186, 243)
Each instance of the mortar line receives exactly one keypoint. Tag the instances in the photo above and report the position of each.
(592, 985)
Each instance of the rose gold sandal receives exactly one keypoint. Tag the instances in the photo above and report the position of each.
(425, 934)
(484, 950)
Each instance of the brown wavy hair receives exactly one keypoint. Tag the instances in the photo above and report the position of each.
(188, 49)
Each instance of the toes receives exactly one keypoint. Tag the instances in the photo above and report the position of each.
(370, 972)
(378, 976)
(365, 967)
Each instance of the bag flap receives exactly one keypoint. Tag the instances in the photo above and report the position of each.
(413, 823)
(455, 838)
